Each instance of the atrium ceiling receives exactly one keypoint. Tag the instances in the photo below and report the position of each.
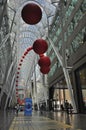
(24, 34)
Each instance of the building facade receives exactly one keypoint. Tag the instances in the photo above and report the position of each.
(68, 34)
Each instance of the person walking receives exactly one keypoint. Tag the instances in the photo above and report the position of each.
(17, 109)
(41, 109)
(62, 107)
(70, 108)
(67, 106)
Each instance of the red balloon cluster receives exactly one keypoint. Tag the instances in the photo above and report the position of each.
(44, 62)
(19, 67)
(31, 13)
(40, 46)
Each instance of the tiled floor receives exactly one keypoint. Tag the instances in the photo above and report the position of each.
(47, 121)
(37, 123)
(6, 118)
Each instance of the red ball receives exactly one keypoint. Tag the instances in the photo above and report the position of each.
(31, 13)
(16, 80)
(45, 70)
(21, 60)
(44, 61)
(29, 49)
(40, 46)
(25, 53)
(18, 68)
(20, 64)
(17, 72)
(23, 57)
(17, 77)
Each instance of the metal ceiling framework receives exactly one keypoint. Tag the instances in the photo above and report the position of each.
(29, 32)
(15, 31)
(16, 23)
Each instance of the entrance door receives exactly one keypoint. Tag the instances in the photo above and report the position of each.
(81, 88)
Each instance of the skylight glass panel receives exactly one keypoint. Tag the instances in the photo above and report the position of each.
(27, 34)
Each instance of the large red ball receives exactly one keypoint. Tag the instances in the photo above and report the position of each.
(44, 61)
(40, 46)
(31, 13)
(45, 70)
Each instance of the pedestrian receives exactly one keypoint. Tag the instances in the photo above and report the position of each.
(67, 106)
(70, 108)
(41, 109)
(17, 109)
(62, 107)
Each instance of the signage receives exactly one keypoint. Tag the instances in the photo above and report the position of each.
(28, 107)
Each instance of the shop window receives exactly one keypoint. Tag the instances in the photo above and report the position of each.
(82, 74)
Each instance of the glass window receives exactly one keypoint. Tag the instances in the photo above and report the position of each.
(68, 12)
(49, 49)
(52, 56)
(83, 7)
(71, 50)
(59, 44)
(58, 31)
(79, 40)
(82, 74)
(74, 2)
(65, 36)
(54, 39)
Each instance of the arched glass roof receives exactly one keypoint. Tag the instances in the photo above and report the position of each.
(25, 34)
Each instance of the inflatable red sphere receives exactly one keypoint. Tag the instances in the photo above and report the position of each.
(18, 68)
(20, 64)
(44, 61)
(17, 77)
(31, 13)
(23, 57)
(40, 46)
(45, 70)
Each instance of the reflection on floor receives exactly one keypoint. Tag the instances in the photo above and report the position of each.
(46, 121)
(36, 123)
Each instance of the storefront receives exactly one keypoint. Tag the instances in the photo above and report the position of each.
(59, 93)
(80, 75)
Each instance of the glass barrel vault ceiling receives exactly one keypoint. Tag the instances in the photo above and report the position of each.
(25, 34)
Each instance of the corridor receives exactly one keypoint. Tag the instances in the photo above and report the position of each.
(43, 64)
(47, 121)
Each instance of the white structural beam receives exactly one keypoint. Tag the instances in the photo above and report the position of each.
(9, 93)
(66, 73)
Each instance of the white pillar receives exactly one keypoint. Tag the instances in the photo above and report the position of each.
(66, 74)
